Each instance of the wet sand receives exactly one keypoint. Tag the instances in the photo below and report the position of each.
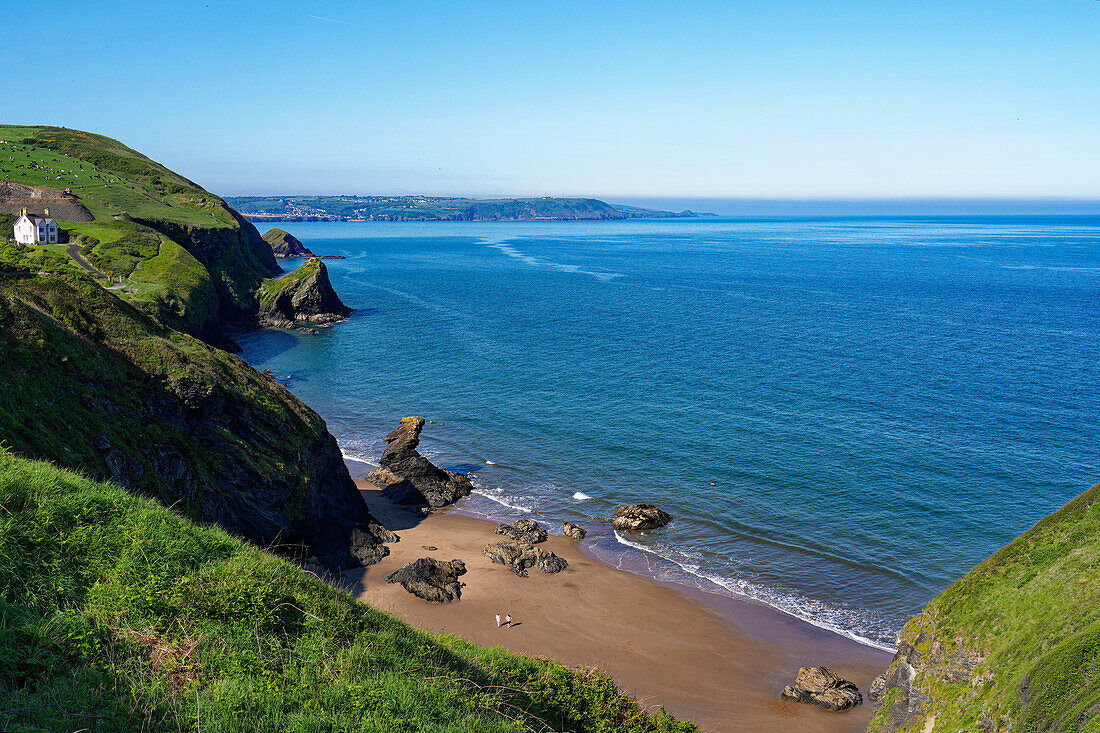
(716, 661)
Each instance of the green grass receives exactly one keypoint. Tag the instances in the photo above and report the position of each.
(273, 287)
(110, 178)
(118, 615)
(1029, 617)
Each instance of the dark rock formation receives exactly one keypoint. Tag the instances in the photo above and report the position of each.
(639, 517)
(199, 430)
(432, 580)
(523, 530)
(573, 530)
(304, 295)
(822, 687)
(877, 691)
(285, 244)
(406, 477)
(519, 556)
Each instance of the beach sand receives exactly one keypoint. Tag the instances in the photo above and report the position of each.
(716, 661)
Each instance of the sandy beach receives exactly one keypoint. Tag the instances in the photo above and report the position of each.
(716, 661)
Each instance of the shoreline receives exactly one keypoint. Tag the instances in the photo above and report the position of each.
(720, 662)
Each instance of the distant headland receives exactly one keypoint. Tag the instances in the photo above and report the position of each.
(436, 208)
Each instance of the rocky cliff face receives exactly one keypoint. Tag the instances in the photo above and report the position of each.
(1013, 645)
(285, 244)
(238, 260)
(304, 295)
(90, 383)
(406, 477)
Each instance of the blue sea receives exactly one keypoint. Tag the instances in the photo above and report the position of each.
(842, 414)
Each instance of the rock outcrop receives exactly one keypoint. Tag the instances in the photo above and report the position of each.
(519, 556)
(523, 530)
(406, 477)
(822, 687)
(285, 244)
(433, 580)
(639, 517)
(572, 530)
(176, 420)
(302, 296)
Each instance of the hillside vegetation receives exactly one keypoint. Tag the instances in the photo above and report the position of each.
(1012, 646)
(435, 208)
(118, 615)
(185, 256)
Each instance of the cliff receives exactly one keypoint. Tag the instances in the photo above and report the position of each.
(92, 384)
(304, 295)
(1014, 644)
(285, 244)
(182, 254)
(108, 364)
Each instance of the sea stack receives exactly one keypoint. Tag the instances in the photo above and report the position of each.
(285, 244)
(406, 477)
(303, 295)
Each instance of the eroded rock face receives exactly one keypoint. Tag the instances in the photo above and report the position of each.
(822, 687)
(433, 580)
(406, 477)
(519, 556)
(303, 295)
(639, 517)
(523, 530)
(574, 531)
(285, 244)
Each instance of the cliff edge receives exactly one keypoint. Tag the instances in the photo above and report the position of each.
(1014, 644)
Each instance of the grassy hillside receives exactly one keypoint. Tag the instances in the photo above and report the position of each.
(185, 257)
(118, 615)
(1015, 644)
(91, 383)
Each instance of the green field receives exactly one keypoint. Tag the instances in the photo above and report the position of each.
(109, 178)
(118, 615)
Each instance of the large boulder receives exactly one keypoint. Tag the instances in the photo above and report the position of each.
(523, 530)
(406, 477)
(519, 556)
(431, 579)
(639, 517)
(573, 530)
(824, 688)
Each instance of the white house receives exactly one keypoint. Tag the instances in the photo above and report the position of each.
(32, 229)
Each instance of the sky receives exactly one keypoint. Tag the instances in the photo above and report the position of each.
(783, 99)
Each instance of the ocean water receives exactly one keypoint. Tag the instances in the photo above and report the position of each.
(843, 415)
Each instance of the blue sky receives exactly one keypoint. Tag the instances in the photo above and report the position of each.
(776, 99)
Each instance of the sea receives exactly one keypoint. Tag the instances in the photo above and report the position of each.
(842, 414)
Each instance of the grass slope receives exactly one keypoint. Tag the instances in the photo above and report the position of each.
(1014, 644)
(118, 615)
(185, 257)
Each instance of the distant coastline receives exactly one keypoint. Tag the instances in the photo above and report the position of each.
(435, 208)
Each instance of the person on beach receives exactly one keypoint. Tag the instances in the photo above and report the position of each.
(498, 620)
(508, 620)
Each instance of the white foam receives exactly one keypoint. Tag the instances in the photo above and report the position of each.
(503, 501)
(580, 496)
(790, 605)
(359, 458)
